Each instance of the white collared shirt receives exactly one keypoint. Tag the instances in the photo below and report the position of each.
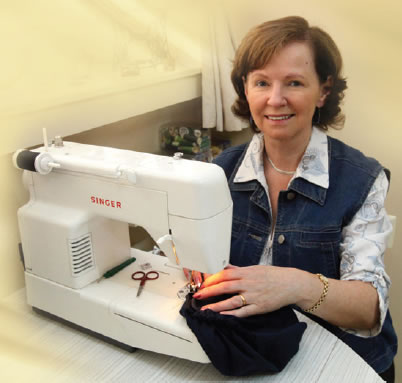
(364, 240)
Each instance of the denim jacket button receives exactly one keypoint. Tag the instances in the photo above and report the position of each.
(291, 196)
(281, 239)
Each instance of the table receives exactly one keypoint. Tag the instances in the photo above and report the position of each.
(34, 348)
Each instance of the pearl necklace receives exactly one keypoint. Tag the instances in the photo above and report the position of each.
(286, 172)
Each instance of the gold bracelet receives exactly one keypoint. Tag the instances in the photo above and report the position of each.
(324, 280)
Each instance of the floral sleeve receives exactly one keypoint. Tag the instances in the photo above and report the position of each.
(363, 247)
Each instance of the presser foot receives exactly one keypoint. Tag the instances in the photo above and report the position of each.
(195, 281)
(188, 288)
(193, 287)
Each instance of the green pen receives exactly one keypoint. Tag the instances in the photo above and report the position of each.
(116, 269)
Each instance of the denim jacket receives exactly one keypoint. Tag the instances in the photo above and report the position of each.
(308, 229)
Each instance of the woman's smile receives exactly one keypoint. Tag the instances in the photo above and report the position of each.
(279, 117)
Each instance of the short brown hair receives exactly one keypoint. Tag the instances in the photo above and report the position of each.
(264, 40)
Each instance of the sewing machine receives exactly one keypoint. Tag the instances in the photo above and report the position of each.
(75, 227)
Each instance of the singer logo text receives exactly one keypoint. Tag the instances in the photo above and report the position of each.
(106, 202)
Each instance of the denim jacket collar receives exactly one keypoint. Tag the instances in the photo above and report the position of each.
(311, 178)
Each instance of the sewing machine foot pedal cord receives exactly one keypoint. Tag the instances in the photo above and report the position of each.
(104, 338)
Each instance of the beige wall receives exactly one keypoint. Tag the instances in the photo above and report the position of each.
(12, 196)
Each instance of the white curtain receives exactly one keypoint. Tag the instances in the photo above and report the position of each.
(218, 93)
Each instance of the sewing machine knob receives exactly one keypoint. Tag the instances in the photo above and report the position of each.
(178, 155)
(42, 163)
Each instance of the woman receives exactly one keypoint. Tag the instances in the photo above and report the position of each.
(309, 224)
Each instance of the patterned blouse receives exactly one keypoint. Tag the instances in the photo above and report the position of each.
(364, 239)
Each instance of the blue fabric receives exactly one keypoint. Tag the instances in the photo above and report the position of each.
(310, 226)
(244, 346)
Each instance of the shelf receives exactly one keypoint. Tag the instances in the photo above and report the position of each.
(78, 111)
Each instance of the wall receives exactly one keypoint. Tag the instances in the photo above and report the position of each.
(76, 65)
(12, 196)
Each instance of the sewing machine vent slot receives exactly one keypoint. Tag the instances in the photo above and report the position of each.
(81, 254)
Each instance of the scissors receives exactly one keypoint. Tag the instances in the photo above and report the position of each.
(143, 277)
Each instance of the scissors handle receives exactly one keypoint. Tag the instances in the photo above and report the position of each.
(149, 276)
(138, 275)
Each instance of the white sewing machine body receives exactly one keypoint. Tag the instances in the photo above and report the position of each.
(75, 228)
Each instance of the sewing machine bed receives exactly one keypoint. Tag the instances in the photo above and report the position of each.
(111, 308)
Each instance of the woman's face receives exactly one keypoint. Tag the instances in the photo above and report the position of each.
(283, 95)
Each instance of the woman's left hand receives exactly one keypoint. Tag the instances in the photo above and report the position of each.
(264, 289)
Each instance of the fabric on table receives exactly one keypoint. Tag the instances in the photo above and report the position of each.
(262, 343)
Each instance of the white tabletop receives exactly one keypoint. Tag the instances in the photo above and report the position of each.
(37, 349)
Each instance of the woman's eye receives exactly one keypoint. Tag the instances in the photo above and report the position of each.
(295, 83)
(261, 83)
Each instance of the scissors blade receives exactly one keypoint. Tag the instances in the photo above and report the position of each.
(140, 290)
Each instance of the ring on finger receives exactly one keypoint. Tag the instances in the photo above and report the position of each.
(243, 300)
